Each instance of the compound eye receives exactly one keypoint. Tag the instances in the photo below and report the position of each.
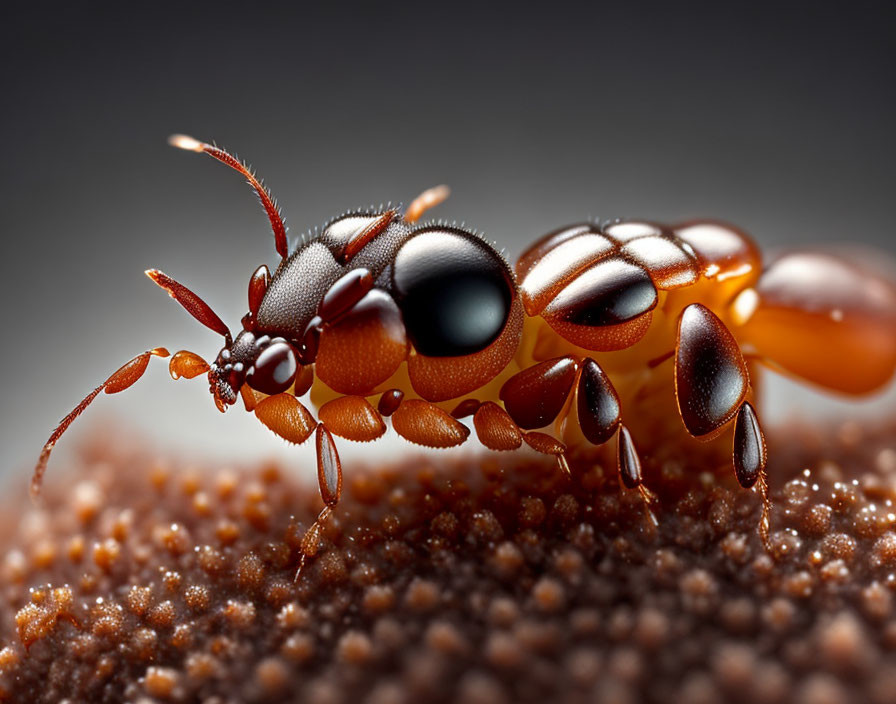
(274, 370)
(453, 290)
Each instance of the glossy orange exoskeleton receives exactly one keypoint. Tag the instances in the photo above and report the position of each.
(379, 317)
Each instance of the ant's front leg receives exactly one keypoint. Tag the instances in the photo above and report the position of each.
(287, 417)
(329, 477)
(122, 379)
(711, 384)
(350, 417)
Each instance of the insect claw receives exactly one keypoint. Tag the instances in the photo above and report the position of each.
(564, 465)
(299, 569)
(650, 500)
(311, 540)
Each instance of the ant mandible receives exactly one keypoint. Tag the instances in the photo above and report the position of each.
(379, 316)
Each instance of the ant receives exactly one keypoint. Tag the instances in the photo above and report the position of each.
(381, 317)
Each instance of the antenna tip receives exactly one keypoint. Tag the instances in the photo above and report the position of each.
(183, 141)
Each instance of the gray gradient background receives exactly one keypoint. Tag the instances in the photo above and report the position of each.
(779, 119)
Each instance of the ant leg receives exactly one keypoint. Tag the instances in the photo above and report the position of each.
(750, 458)
(495, 428)
(497, 431)
(424, 423)
(286, 417)
(352, 418)
(430, 198)
(122, 379)
(548, 445)
(711, 377)
(630, 471)
(711, 383)
(329, 477)
(536, 396)
(600, 417)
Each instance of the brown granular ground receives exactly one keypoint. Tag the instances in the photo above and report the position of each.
(455, 580)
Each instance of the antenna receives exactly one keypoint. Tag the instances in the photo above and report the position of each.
(182, 141)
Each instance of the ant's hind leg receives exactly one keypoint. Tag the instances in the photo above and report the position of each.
(750, 458)
(126, 376)
(186, 365)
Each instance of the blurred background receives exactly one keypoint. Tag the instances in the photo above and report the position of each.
(779, 118)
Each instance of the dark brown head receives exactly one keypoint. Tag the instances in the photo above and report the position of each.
(371, 292)
(266, 364)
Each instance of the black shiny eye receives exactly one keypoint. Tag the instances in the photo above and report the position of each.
(453, 290)
(274, 370)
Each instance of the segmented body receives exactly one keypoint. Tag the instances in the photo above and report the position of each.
(627, 329)
(612, 294)
(604, 328)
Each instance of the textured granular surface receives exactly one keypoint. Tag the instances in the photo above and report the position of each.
(491, 580)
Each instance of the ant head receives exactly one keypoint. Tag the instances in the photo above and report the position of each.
(225, 378)
(266, 364)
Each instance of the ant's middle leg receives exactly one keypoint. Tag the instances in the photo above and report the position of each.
(600, 417)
